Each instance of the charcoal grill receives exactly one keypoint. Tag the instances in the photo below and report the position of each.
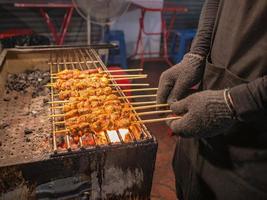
(44, 169)
(83, 59)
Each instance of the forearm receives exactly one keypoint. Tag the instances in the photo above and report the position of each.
(250, 100)
(202, 41)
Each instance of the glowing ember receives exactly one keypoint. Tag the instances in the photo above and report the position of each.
(113, 136)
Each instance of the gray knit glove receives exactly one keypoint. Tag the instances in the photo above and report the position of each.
(175, 82)
(205, 114)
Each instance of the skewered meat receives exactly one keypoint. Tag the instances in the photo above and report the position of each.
(71, 113)
(75, 73)
(80, 84)
(90, 91)
(99, 120)
(92, 105)
(92, 80)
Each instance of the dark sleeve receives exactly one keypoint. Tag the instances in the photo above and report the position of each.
(202, 40)
(250, 100)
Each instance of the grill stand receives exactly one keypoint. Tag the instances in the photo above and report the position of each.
(120, 172)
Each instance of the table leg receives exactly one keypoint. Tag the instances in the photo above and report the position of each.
(65, 25)
(50, 25)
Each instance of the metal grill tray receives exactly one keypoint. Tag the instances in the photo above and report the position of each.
(15, 146)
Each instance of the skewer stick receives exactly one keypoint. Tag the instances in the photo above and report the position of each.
(122, 97)
(132, 103)
(142, 103)
(139, 90)
(120, 78)
(159, 119)
(68, 141)
(58, 115)
(59, 122)
(129, 90)
(53, 102)
(116, 84)
(134, 108)
(150, 106)
(137, 96)
(81, 142)
(130, 84)
(154, 112)
(125, 70)
(61, 131)
(140, 121)
(127, 75)
(129, 78)
(103, 71)
(112, 76)
(70, 63)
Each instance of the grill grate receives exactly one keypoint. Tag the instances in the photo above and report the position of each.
(84, 59)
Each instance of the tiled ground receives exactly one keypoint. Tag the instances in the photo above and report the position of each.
(163, 187)
(163, 182)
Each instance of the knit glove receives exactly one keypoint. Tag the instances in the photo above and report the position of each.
(204, 114)
(175, 82)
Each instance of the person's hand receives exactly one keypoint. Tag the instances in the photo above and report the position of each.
(175, 82)
(204, 114)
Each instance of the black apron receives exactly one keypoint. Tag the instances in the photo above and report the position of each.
(232, 165)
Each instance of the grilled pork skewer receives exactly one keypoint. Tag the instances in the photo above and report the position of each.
(101, 70)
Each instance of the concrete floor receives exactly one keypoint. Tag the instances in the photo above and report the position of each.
(163, 181)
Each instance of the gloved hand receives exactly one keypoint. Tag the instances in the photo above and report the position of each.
(204, 114)
(175, 82)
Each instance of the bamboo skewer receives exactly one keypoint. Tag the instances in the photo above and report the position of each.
(123, 78)
(68, 141)
(140, 114)
(59, 122)
(117, 84)
(159, 119)
(129, 90)
(137, 96)
(132, 103)
(57, 115)
(150, 106)
(70, 63)
(54, 102)
(130, 84)
(121, 97)
(139, 90)
(143, 103)
(110, 70)
(114, 77)
(154, 112)
(125, 70)
(130, 78)
(139, 121)
(134, 108)
(127, 75)
(60, 131)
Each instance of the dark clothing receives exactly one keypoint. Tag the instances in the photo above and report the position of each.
(252, 99)
(239, 50)
(232, 165)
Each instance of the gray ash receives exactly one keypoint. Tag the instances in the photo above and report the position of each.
(34, 79)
